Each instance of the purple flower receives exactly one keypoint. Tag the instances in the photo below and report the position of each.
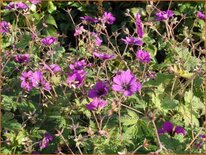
(103, 56)
(76, 79)
(39, 81)
(126, 83)
(4, 27)
(78, 31)
(143, 56)
(202, 136)
(201, 15)
(199, 143)
(133, 41)
(180, 130)
(139, 25)
(98, 41)
(100, 89)
(26, 80)
(45, 141)
(96, 104)
(20, 58)
(164, 15)
(151, 75)
(35, 1)
(108, 18)
(16, 5)
(89, 19)
(48, 40)
(78, 65)
(55, 68)
(168, 127)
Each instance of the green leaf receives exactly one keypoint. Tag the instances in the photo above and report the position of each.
(50, 20)
(8, 103)
(24, 41)
(51, 7)
(50, 30)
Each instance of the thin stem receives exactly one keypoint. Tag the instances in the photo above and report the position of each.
(96, 121)
(137, 149)
(161, 147)
(132, 108)
(120, 125)
(195, 138)
(59, 133)
(145, 66)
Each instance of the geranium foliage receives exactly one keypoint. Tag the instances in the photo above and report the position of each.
(102, 77)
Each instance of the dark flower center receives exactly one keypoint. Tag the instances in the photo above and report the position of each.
(126, 86)
(100, 92)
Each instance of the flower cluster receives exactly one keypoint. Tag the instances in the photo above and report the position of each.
(164, 15)
(77, 76)
(54, 68)
(78, 30)
(143, 56)
(21, 58)
(199, 143)
(16, 5)
(103, 56)
(45, 141)
(201, 15)
(169, 128)
(35, 1)
(89, 19)
(139, 25)
(4, 27)
(99, 90)
(108, 18)
(96, 104)
(30, 80)
(98, 40)
(133, 41)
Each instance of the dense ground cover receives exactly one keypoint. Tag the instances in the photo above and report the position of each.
(111, 77)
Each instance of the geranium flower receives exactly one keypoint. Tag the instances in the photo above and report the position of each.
(55, 68)
(96, 104)
(199, 143)
(78, 65)
(126, 83)
(16, 5)
(26, 80)
(139, 25)
(168, 127)
(45, 141)
(108, 18)
(133, 41)
(143, 56)
(39, 81)
(98, 41)
(48, 40)
(20, 58)
(100, 89)
(79, 30)
(89, 19)
(103, 56)
(163, 15)
(201, 15)
(76, 79)
(35, 1)
(4, 27)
